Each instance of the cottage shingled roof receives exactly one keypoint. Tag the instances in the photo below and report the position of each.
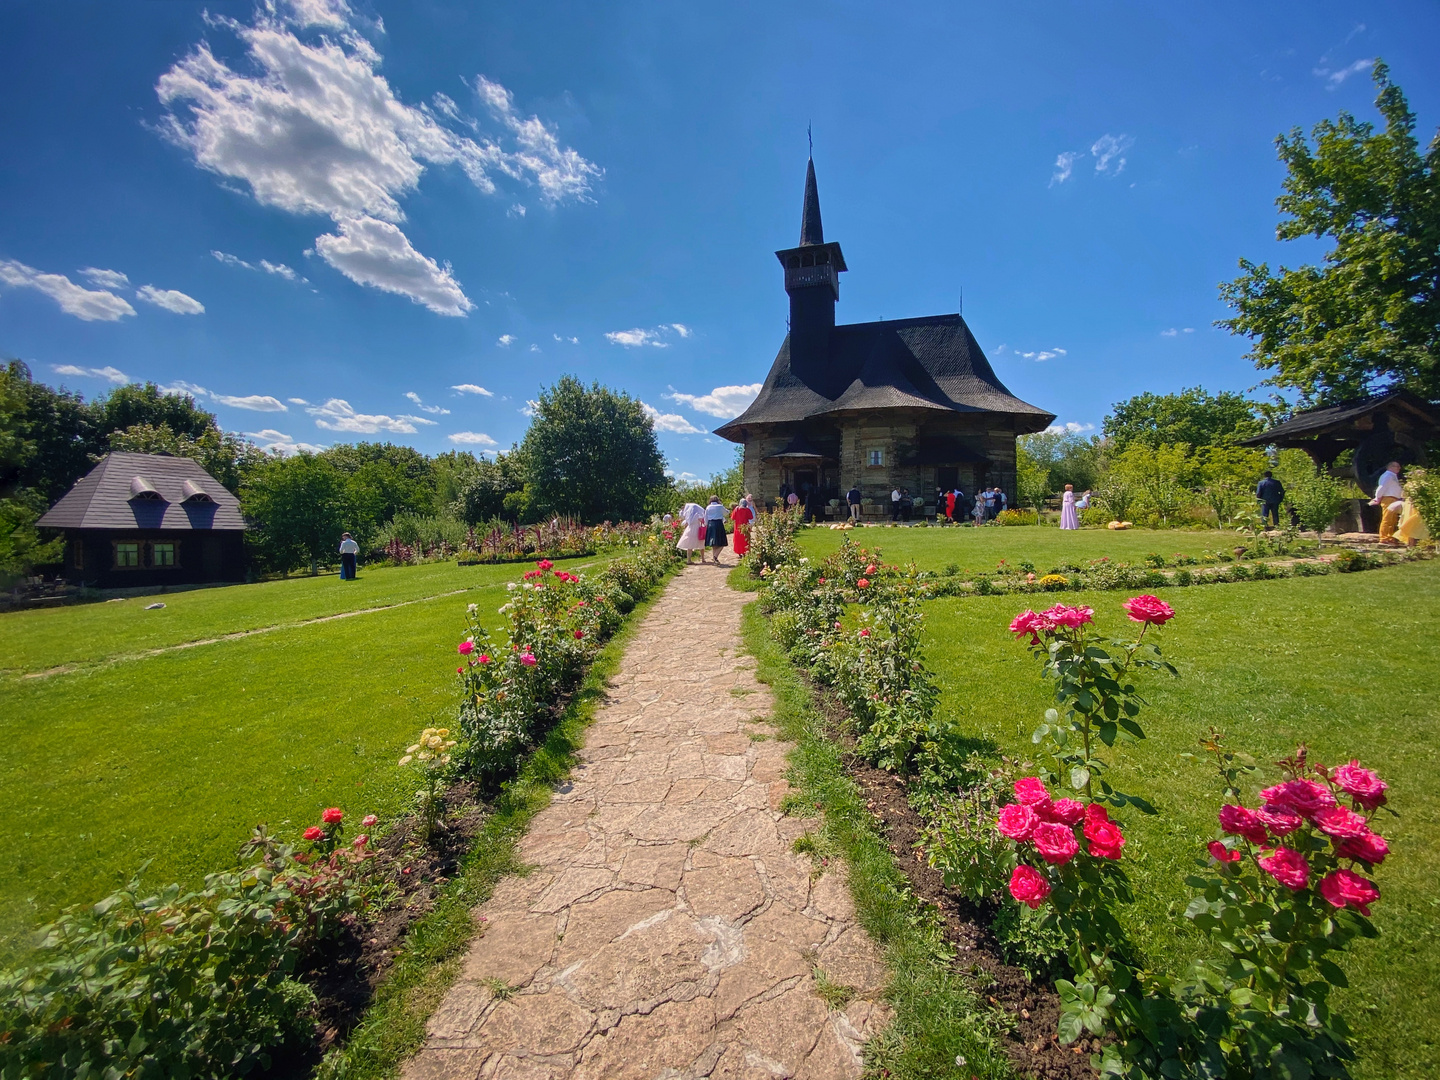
(1332, 418)
(105, 497)
(932, 362)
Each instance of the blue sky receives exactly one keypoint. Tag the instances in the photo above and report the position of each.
(377, 204)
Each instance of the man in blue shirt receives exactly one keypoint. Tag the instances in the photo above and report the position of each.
(853, 499)
(1271, 494)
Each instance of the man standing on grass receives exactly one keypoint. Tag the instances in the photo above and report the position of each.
(895, 505)
(853, 499)
(1271, 494)
(1389, 496)
(348, 550)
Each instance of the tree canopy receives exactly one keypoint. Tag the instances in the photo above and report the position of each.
(1193, 416)
(591, 453)
(1369, 319)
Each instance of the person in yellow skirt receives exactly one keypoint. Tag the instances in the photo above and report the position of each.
(1389, 496)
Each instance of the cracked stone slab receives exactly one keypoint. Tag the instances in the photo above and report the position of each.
(665, 927)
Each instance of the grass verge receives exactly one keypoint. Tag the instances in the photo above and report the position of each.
(939, 1019)
(393, 1027)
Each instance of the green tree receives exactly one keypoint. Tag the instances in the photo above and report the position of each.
(1370, 317)
(1068, 457)
(52, 434)
(1032, 478)
(591, 453)
(297, 509)
(1316, 496)
(1194, 417)
(21, 548)
(484, 491)
(1228, 476)
(143, 403)
(1160, 476)
(223, 454)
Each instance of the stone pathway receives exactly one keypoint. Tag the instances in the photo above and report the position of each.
(669, 931)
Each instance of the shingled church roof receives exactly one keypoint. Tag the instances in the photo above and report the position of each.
(146, 491)
(931, 363)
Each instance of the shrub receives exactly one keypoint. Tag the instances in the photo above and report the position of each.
(1350, 561)
(1018, 517)
(1311, 569)
(1054, 582)
(1422, 487)
(772, 540)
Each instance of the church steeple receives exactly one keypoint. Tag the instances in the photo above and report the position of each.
(812, 278)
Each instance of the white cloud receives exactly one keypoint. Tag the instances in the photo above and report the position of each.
(92, 305)
(686, 477)
(314, 128)
(1069, 428)
(180, 387)
(280, 443)
(681, 329)
(534, 348)
(279, 269)
(297, 401)
(110, 374)
(1169, 333)
(1188, 330)
(106, 279)
(723, 401)
(1064, 166)
(633, 338)
(1333, 79)
(472, 438)
(672, 422)
(1041, 355)
(517, 210)
(253, 402)
(471, 388)
(337, 415)
(374, 252)
(571, 340)
(1110, 149)
(435, 409)
(505, 340)
(171, 300)
(531, 408)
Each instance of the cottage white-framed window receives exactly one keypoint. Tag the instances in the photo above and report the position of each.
(877, 457)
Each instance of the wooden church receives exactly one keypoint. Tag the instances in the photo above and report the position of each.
(902, 403)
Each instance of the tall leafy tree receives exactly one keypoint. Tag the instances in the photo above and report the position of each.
(144, 403)
(1194, 417)
(591, 453)
(223, 454)
(53, 434)
(297, 510)
(1369, 318)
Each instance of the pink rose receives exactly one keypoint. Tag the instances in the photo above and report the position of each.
(333, 816)
(1305, 797)
(1280, 819)
(465, 648)
(1105, 838)
(870, 569)
(528, 658)
(314, 832)
(1341, 823)
(1065, 811)
(864, 633)
(1028, 886)
(1056, 843)
(369, 821)
(459, 671)
(360, 841)
(545, 564)
(1073, 617)
(484, 658)
(1370, 848)
(1367, 789)
(1287, 867)
(1220, 853)
(1031, 791)
(862, 584)
(1017, 821)
(1345, 888)
(1148, 609)
(1028, 622)
(1238, 821)
(1096, 812)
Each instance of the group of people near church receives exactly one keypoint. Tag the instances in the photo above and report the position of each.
(702, 528)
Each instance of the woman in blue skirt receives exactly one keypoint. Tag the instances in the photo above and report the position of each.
(715, 526)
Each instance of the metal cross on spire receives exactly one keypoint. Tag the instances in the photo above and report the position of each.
(810, 138)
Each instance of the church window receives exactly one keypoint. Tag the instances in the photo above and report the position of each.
(877, 457)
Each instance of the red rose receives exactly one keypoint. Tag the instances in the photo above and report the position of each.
(1345, 888)
(1221, 853)
(1031, 791)
(864, 633)
(1279, 819)
(333, 816)
(1028, 886)
(1305, 797)
(1341, 823)
(579, 634)
(1056, 843)
(545, 564)
(484, 658)
(1105, 838)
(1367, 789)
(1238, 821)
(1287, 867)
(1029, 622)
(1148, 609)
(314, 832)
(1370, 848)
(1096, 812)
(862, 584)
(1065, 811)
(1017, 821)
(1073, 617)
(821, 581)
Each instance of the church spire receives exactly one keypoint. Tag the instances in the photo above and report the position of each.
(811, 231)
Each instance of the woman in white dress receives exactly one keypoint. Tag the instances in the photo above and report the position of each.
(1069, 507)
(978, 513)
(692, 516)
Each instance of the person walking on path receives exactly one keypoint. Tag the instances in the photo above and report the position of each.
(1069, 518)
(742, 515)
(1271, 493)
(1388, 496)
(348, 550)
(715, 527)
(853, 498)
(692, 519)
(950, 506)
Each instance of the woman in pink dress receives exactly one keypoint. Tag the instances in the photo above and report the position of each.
(742, 515)
(1069, 508)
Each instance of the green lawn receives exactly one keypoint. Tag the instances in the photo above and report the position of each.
(176, 757)
(981, 549)
(1347, 663)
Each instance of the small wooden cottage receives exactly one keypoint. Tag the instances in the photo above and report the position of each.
(903, 403)
(146, 520)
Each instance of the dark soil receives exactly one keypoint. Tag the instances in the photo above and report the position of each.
(1032, 1010)
(407, 874)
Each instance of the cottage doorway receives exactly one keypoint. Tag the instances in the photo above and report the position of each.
(947, 477)
(210, 557)
(804, 479)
